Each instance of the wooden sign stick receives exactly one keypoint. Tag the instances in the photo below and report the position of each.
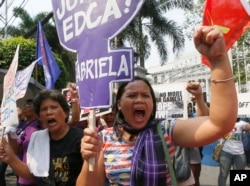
(92, 125)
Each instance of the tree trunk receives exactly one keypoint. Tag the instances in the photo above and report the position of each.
(141, 51)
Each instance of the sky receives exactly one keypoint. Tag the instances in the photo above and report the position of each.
(35, 6)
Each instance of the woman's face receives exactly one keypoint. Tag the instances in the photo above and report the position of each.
(52, 115)
(109, 118)
(136, 104)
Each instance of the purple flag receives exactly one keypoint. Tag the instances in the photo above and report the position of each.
(50, 67)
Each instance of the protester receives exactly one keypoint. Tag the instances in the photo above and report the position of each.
(197, 98)
(182, 167)
(53, 156)
(22, 123)
(109, 118)
(3, 166)
(232, 153)
(73, 101)
(125, 153)
(20, 145)
(246, 143)
(195, 154)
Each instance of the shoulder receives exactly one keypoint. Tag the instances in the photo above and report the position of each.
(40, 132)
(242, 124)
(75, 130)
(36, 124)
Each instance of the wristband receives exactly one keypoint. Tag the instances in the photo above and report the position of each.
(221, 81)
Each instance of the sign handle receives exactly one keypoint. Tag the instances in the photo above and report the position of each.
(92, 125)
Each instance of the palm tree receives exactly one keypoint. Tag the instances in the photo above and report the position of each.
(152, 23)
(28, 27)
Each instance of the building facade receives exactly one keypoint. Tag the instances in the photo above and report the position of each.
(185, 68)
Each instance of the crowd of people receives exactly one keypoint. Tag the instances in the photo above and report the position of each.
(131, 147)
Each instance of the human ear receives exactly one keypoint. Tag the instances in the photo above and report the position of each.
(119, 104)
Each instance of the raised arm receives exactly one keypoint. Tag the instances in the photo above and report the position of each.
(75, 105)
(195, 89)
(209, 41)
(8, 156)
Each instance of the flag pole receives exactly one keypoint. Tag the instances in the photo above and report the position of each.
(36, 73)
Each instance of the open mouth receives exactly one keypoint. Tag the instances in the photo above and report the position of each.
(51, 121)
(139, 115)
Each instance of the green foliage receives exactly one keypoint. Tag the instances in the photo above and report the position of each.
(8, 49)
(193, 18)
(27, 28)
(27, 54)
(151, 24)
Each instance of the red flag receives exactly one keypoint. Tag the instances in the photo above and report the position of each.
(231, 17)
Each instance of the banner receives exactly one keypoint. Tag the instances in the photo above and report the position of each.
(171, 100)
(86, 28)
(231, 17)
(244, 105)
(22, 80)
(43, 51)
(9, 108)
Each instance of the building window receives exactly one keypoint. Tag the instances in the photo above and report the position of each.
(162, 78)
(155, 80)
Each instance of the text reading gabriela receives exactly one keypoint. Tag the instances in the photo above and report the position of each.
(101, 68)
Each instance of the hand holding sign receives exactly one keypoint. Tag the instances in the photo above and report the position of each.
(86, 27)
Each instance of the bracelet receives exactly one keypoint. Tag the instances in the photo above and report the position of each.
(221, 81)
(74, 100)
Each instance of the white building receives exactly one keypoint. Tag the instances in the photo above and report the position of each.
(185, 68)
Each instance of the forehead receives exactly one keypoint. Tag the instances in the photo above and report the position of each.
(137, 85)
(49, 101)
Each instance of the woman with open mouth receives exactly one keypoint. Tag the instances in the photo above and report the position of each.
(138, 149)
(53, 156)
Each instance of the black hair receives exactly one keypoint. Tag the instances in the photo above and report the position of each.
(237, 119)
(119, 118)
(29, 102)
(50, 94)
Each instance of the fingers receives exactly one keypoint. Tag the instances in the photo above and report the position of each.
(207, 35)
(73, 89)
(195, 89)
(192, 86)
(210, 34)
(91, 144)
(193, 98)
(73, 86)
(2, 148)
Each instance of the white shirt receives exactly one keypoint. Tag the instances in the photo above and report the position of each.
(234, 144)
